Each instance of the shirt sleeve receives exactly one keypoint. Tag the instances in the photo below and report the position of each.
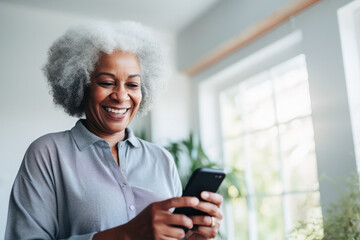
(32, 207)
(175, 176)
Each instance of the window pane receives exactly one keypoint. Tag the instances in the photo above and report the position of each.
(304, 207)
(258, 107)
(230, 114)
(293, 102)
(270, 218)
(240, 218)
(265, 165)
(291, 89)
(297, 144)
(234, 153)
(290, 73)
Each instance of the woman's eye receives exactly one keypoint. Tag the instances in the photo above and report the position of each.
(133, 85)
(106, 84)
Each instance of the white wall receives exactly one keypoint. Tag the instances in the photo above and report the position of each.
(170, 117)
(327, 82)
(26, 107)
(322, 47)
(349, 22)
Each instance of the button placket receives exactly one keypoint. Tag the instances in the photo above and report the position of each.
(122, 166)
(121, 155)
(121, 178)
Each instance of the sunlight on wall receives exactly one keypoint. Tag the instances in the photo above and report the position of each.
(349, 23)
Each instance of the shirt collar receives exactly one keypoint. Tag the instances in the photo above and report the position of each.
(131, 138)
(84, 138)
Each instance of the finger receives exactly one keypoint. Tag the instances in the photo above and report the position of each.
(180, 219)
(207, 232)
(173, 233)
(179, 202)
(202, 220)
(169, 238)
(210, 208)
(212, 197)
(167, 218)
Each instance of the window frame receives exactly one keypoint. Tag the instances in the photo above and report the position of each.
(252, 197)
(209, 91)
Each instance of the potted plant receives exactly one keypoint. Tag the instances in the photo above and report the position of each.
(341, 221)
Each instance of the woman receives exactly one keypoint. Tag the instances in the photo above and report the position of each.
(97, 180)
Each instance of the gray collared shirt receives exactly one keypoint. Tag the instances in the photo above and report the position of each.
(70, 187)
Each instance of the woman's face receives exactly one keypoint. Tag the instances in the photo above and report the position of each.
(114, 95)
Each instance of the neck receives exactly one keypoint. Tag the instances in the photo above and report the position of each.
(111, 138)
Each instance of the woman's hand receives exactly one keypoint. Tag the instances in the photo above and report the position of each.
(207, 226)
(154, 222)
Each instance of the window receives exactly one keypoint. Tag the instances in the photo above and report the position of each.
(267, 132)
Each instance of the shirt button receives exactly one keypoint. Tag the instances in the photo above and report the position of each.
(132, 207)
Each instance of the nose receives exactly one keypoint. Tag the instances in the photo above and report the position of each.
(120, 94)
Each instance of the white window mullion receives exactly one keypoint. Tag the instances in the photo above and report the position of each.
(285, 203)
(251, 200)
(228, 223)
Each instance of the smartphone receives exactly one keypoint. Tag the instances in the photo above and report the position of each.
(202, 179)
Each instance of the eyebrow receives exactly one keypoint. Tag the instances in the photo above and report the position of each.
(104, 73)
(112, 75)
(135, 75)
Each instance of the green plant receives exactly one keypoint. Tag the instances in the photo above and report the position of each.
(341, 221)
(190, 155)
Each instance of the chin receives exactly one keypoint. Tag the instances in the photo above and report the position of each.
(117, 128)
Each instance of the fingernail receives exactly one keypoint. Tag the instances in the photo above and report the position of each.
(205, 194)
(194, 201)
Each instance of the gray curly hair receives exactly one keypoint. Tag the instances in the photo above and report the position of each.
(72, 59)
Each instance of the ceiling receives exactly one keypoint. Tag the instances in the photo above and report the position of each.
(167, 15)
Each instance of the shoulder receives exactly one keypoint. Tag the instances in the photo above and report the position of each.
(48, 148)
(39, 159)
(49, 141)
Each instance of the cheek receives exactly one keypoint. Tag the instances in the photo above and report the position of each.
(140, 98)
(137, 98)
(97, 96)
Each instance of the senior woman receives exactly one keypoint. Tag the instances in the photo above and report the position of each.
(97, 180)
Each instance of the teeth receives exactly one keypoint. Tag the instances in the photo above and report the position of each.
(118, 111)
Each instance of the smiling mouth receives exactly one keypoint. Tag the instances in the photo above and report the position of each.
(116, 110)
